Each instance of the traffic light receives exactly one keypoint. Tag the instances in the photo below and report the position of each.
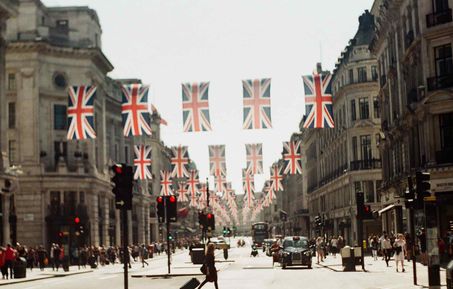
(172, 206)
(202, 219)
(225, 232)
(122, 179)
(210, 221)
(160, 209)
(170, 237)
(409, 195)
(76, 220)
(422, 180)
(360, 202)
(367, 212)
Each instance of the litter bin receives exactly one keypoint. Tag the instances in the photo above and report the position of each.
(197, 254)
(449, 274)
(20, 268)
(357, 255)
(347, 258)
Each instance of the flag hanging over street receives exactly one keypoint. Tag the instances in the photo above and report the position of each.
(165, 183)
(318, 101)
(192, 184)
(179, 161)
(142, 162)
(182, 192)
(254, 154)
(249, 187)
(220, 183)
(217, 162)
(276, 177)
(292, 156)
(81, 112)
(195, 107)
(257, 103)
(202, 201)
(134, 109)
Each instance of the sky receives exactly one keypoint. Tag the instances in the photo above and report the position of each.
(169, 42)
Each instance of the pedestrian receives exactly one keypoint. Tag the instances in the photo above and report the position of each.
(143, 252)
(387, 249)
(210, 269)
(10, 257)
(374, 247)
(422, 239)
(400, 251)
(42, 258)
(56, 251)
(334, 246)
(30, 258)
(3, 268)
(320, 249)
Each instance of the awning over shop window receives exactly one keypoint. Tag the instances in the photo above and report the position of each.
(389, 207)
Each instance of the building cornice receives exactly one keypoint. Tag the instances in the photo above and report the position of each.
(95, 54)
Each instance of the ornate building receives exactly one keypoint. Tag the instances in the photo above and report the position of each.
(344, 160)
(7, 9)
(413, 45)
(51, 48)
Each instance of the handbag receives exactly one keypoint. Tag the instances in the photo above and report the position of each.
(398, 249)
(204, 269)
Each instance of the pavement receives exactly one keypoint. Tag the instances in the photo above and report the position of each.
(241, 271)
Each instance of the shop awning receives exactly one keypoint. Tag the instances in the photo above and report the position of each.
(389, 207)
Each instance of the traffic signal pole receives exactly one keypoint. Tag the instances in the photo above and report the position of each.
(168, 235)
(125, 249)
(412, 224)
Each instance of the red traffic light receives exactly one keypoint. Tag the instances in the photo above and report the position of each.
(76, 220)
(117, 169)
(60, 234)
(172, 199)
(209, 216)
(367, 209)
(160, 199)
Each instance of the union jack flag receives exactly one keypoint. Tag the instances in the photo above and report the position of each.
(276, 177)
(249, 186)
(135, 111)
(165, 183)
(269, 190)
(203, 196)
(254, 153)
(142, 162)
(182, 192)
(81, 112)
(257, 103)
(217, 163)
(292, 156)
(195, 107)
(179, 161)
(220, 183)
(193, 183)
(318, 101)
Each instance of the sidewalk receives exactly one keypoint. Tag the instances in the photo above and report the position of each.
(37, 274)
(379, 266)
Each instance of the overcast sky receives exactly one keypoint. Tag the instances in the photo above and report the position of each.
(167, 42)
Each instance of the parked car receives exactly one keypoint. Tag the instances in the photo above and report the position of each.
(295, 252)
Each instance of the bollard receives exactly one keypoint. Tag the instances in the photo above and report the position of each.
(347, 259)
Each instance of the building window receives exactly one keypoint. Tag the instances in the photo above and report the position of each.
(444, 63)
(62, 23)
(374, 74)
(11, 81)
(353, 112)
(126, 154)
(378, 189)
(12, 152)
(376, 108)
(59, 117)
(365, 147)
(357, 186)
(446, 131)
(361, 73)
(364, 108)
(351, 76)
(440, 5)
(11, 115)
(368, 191)
(354, 148)
(82, 197)
(61, 150)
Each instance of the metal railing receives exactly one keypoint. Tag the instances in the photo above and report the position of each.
(366, 165)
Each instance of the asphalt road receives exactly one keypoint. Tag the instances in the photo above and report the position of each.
(241, 272)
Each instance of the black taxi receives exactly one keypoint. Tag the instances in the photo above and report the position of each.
(295, 251)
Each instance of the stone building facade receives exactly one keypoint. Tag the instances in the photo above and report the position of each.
(341, 161)
(413, 45)
(8, 8)
(49, 49)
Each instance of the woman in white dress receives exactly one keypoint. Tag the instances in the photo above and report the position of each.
(400, 251)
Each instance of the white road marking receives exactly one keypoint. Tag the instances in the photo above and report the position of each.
(108, 277)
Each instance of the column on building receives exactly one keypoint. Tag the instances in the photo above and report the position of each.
(106, 225)
(94, 217)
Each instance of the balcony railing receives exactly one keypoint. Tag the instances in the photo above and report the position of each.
(409, 39)
(440, 82)
(444, 156)
(366, 165)
(438, 18)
